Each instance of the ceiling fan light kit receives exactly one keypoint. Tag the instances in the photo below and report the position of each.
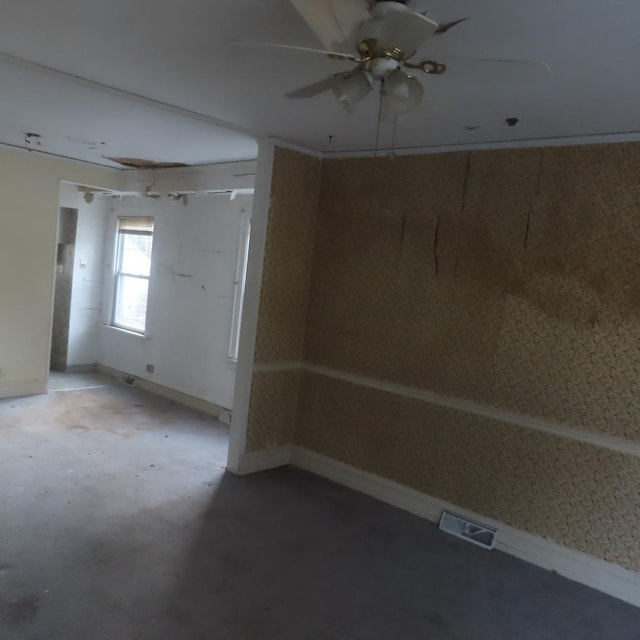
(401, 93)
(389, 33)
(351, 89)
(387, 38)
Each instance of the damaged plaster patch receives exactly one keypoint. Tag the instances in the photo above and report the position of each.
(141, 163)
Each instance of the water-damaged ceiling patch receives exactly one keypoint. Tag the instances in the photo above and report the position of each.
(141, 163)
(32, 141)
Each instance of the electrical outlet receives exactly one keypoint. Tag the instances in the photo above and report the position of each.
(3, 373)
(150, 368)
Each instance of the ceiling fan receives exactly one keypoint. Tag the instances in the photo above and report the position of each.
(388, 34)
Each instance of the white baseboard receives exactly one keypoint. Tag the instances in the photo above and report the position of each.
(254, 461)
(80, 368)
(575, 565)
(21, 388)
(185, 399)
(598, 574)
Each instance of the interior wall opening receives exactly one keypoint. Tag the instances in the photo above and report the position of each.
(150, 283)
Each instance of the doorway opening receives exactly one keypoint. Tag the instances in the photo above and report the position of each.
(149, 289)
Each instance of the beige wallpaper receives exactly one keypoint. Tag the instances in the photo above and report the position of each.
(510, 278)
(288, 257)
(272, 409)
(284, 297)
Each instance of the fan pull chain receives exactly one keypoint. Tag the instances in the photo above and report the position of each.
(379, 124)
(393, 137)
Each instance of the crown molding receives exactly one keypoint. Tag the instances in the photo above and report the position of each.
(524, 143)
(521, 143)
(310, 151)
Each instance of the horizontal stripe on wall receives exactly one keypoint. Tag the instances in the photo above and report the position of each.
(612, 443)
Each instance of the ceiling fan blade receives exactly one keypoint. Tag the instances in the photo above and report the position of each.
(446, 26)
(315, 89)
(405, 30)
(275, 45)
(321, 18)
(497, 68)
(351, 14)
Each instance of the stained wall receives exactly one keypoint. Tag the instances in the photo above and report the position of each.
(506, 277)
(501, 280)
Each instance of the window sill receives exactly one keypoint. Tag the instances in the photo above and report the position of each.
(126, 332)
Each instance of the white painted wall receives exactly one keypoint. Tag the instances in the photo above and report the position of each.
(248, 330)
(29, 190)
(190, 305)
(86, 292)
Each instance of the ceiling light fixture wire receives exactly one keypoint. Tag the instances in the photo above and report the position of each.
(392, 154)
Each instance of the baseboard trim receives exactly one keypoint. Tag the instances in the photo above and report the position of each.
(592, 572)
(598, 574)
(210, 408)
(254, 461)
(80, 368)
(21, 388)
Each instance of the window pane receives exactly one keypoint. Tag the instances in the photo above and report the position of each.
(238, 295)
(131, 303)
(136, 254)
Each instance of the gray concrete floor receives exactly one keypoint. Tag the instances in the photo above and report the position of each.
(118, 522)
(59, 381)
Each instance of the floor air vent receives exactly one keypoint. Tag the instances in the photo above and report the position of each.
(468, 530)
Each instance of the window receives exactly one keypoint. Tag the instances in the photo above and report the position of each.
(241, 276)
(132, 272)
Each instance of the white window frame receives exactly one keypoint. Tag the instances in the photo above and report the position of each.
(118, 273)
(240, 285)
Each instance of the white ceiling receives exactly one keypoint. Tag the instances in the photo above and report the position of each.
(176, 52)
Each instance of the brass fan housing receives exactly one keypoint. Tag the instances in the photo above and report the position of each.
(369, 51)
